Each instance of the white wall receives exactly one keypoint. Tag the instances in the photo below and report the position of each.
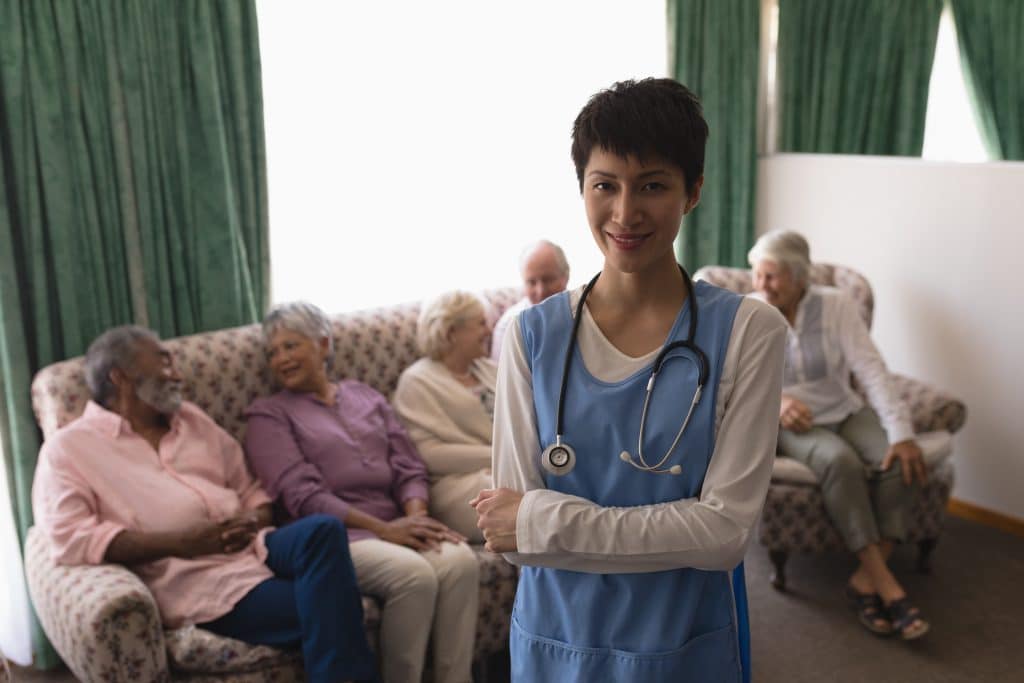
(941, 244)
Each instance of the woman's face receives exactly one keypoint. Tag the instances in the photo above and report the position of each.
(296, 360)
(777, 285)
(469, 339)
(635, 208)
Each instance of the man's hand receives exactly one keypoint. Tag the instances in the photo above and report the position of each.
(496, 511)
(419, 532)
(911, 460)
(794, 415)
(212, 538)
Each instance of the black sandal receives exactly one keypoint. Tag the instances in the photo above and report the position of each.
(903, 616)
(870, 611)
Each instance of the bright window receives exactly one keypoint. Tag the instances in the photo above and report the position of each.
(14, 615)
(416, 147)
(950, 130)
(950, 133)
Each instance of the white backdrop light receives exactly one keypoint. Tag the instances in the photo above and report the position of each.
(417, 147)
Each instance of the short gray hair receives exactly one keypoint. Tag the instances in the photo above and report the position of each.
(115, 348)
(534, 247)
(300, 317)
(787, 248)
(441, 315)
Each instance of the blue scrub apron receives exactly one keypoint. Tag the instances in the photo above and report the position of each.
(676, 625)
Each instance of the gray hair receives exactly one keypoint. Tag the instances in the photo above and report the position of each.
(534, 247)
(302, 318)
(787, 248)
(441, 315)
(115, 348)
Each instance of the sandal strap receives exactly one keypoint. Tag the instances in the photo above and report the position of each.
(865, 601)
(902, 613)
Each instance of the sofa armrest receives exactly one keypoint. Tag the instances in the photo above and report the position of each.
(101, 619)
(931, 409)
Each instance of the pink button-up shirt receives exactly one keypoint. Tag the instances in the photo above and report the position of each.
(96, 478)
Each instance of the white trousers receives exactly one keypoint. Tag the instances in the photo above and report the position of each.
(432, 593)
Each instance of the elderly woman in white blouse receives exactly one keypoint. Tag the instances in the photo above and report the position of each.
(446, 401)
(863, 454)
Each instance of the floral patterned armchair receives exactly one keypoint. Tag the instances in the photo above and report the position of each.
(794, 517)
(104, 622)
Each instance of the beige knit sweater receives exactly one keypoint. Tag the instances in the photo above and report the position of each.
(451, 426)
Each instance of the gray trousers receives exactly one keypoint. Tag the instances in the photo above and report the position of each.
(864, 505)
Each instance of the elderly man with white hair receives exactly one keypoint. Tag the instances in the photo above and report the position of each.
(825, 424)
(545, 271)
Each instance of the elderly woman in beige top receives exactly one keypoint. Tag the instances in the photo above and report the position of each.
(446, 401)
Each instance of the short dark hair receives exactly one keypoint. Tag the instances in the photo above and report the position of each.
(646, 118)
(115, 348)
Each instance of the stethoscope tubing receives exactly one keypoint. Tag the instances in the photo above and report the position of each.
(565, 452)
(658, 361)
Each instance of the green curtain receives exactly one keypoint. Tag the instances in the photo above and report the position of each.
(713, 49)
(991, 38)
(132, 185)
(852, 75)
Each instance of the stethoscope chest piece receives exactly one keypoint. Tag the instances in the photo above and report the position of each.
(559, 459)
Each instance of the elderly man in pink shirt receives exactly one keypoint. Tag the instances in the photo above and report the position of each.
(149, 481)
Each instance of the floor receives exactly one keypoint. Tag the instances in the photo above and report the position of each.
(974, 599)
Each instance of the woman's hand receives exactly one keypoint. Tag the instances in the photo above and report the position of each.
(496, 511)
(911, 461)
(794, 415)
(418, 532)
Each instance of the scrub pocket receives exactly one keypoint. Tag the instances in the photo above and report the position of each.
(711, 656)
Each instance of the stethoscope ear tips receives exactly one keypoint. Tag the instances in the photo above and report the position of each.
(624, 456)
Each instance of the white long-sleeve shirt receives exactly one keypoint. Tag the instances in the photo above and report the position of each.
(504, 322)
(829, 340)
(711, 532)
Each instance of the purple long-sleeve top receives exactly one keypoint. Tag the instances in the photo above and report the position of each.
(314, 458)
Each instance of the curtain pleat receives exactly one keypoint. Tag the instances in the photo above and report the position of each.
(853, 75)
(714, 51)
(991, 39)
(132, 185)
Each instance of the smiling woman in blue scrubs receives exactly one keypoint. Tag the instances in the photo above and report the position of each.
(629, 501)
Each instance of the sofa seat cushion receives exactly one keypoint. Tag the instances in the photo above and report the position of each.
(795, 520)
(498, 580)
(195, 650)
(935, 446)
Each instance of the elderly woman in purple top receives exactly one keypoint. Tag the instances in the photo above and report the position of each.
(337, 448)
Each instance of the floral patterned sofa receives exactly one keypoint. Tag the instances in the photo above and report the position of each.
(794, 517)
(102, 619)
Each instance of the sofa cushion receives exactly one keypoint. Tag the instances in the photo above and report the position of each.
(195, 650)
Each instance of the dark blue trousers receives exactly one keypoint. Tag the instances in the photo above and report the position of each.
(313, 600)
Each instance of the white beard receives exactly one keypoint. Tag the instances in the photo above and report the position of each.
(160, 395)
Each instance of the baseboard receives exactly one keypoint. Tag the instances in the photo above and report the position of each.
(997, 520)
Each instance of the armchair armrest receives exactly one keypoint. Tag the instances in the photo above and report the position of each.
(931, 409)
(101, 619)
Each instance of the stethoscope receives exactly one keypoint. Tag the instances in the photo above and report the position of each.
(559, 458)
